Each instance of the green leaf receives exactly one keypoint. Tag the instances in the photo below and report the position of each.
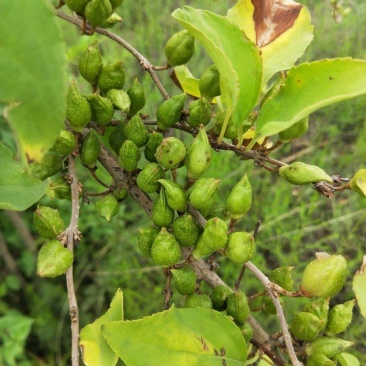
(187, 81)
(346, 359)
(53, 259)
(32, 70)
(179, 337)
(309, 87)
(95, 350)
(359, 287)
(235, 56)
(18, 190)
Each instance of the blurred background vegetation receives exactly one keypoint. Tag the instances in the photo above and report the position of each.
(296, 221)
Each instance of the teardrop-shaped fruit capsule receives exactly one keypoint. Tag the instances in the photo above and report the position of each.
(66, 143)
(169, 111)
(180, 48)
(77, 6)
(282, 276)
(358, 182)
(327, 346)
(50, 164)
(209, 83)
(324, 276)
(185, 280)
(240, 247)
(117, 137)
(170, 153)
(136, 131)
(129, 156)
(219, 296)
(111, 21)
(237, 307)
(319, 360)
(165, 250)
(199, 112)
(305, 326)
(231, 131)
(137, 97)
(90, 149)
(198, 301)
(98, 11)
(301, 173)
(146, 239)
(340, 316)
(186, 230)
(148, 178)
(107, 206)
(239, 201)
(295, 131)
(320, 308)
(162, 215)
(121, 194)
(247, 331)
(198, 157)
(204, 194)
(78, 111)
(60, 189)
(111, 77)
(175, 195)
(120, 99)
(101, 108)
(48, 222)
(155, 139)
(91, 64)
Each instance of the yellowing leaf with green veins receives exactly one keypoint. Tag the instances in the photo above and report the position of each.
(179, 337)
(94, 348)
(32, 70)
(359, 287)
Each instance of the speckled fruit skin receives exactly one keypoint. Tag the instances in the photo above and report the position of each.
(129, 155)
(204, 194)
(282, 276)
(219, 296)
(186, 230)
(240, 247)
(319, 360)
(327, 346)
(340, 316)
(102, 109)
(48, 222)
(107, 206)
(199, 112)
(97, 12)
(169, 111)
(91, 64)
(185, 280)
(148, 178)
(170, 153)
(90, 149)
(146, 239)
(136, 131)
(155, 139)
(111, 77)
(66, 143)
(295, 131)
(240, 198)
(162, 214)
(165, 250)
(305, 326)
(209, 83)
(237, 307)
(175, 195)
(179, 48)
(198, 301)
(137, 97)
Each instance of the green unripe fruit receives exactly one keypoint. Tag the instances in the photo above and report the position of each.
(320, 308)
(239, 201)
(155, 139)
(199, 112)
(48, 222)
(101, 108)
(169, 111)
(117, 137)
(170, 153)
(77, 6)
(185, 280)
(91, 64)
(240, 247)
(204, 194)
(111, 21)
(180, 48)
(327, 346)
(214, 237)
(97, 12)
(146, 239)
(209, 83)
(107, 206)
(90, 149)
(247, 331)
(78, 111)
(48, 166)
(111, 77)
(237, 307)
(340, 316)
(358, 182)
(325, 276)
(60, 189)
(175, 195)
(305, 326)
(129, 156)
(66, 143)
(269, 307)
(165, 250)
(137, 97)
(295, 131)
(198, 157)
(136, 131)
(120, 99)
(186, 230)
(219, 296)
(282, 276)
(121, 194)
(231, 131)
(198, 301)
(116, 3)
(162, 215)
(319, 360)
(301, 174)
(148, 178)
